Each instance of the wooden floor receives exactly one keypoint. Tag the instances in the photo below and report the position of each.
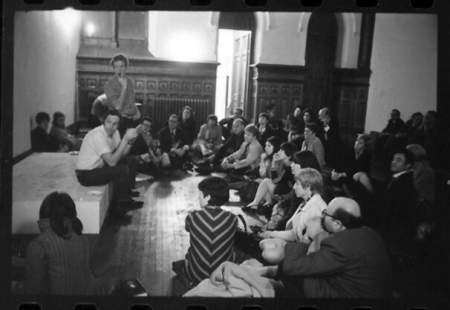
(144, 245)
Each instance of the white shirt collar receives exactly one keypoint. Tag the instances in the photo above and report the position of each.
(398, 174)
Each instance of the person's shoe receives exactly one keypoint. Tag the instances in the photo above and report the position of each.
(134, 193)
(248, 209)
(131, 205)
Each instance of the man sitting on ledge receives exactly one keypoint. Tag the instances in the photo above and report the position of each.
(103, 159)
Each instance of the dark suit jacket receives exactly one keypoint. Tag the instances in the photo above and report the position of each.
(42, 142)
(269, 132)
(332, 144)
(231, 145)
(400, 210)
(394, 127)
(167, 141)
(350, 264)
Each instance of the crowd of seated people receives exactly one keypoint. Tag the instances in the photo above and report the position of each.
(325, 219)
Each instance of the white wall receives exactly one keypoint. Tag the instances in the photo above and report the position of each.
(404, 67)
(182, 36)
(45, 48)
(284, 42)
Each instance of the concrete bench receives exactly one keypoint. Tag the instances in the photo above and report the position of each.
(42, 173)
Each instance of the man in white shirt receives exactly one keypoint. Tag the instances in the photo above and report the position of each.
(103, 159)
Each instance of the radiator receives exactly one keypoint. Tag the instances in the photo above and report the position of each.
(159, 109)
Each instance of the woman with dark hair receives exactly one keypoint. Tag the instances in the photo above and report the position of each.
(58, 260)
(188, 125)
(280, 181)
(312, 143)
(272, 146)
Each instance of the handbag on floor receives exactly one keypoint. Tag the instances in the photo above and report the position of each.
(246, 241)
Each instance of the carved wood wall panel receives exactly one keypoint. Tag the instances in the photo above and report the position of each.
(284, 86)
(155, 83)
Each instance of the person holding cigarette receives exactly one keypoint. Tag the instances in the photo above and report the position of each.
(120, 92)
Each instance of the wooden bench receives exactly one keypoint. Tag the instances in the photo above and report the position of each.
(42, 173)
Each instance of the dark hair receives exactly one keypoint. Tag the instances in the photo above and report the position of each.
(57, 115)
(288, 148)
(276, 142)
(147, 118)
(42, 117)
(347, 219)
(217, 188)
(113, 113)
(270, 106)
(59, 207)
(263, 114)
(306, 159)
(212, 117)
(119, 57)
(308, 110)
(313, 127)
(409, 156)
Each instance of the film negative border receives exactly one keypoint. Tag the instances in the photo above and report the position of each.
(440, 7)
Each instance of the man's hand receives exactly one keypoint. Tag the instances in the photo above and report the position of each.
(265, 235)
(130, 135)
(123, 82)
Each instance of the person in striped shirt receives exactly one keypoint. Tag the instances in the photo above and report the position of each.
(211, 231)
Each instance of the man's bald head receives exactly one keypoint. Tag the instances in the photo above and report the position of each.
(345, 204)
(342, 213)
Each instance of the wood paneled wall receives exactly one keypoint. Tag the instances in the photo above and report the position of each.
(284, 86)
(154, 80)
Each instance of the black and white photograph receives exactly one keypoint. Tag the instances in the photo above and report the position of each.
(259, 154)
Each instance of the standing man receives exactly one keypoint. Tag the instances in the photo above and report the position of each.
(120, 92)
(330, 138)
(102, 159)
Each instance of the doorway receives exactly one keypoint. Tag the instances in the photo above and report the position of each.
(233, 55)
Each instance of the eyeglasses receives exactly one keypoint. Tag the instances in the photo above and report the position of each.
(325, 213)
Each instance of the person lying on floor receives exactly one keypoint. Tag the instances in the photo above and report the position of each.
(303, 226)
(352, 262)
(211, 232)
(245, 159)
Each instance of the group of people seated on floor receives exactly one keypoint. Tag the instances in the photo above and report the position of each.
(326, 215)
(57, 139)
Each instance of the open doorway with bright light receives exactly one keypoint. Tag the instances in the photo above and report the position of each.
(233, 55)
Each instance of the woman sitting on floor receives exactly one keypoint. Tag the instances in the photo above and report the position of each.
(272, 146)
(304, 225)
(58, 260)
(280, 181)
(359, 167)
(312, 143)
(287, 204)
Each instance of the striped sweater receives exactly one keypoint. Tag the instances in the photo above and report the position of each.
(211, 233)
